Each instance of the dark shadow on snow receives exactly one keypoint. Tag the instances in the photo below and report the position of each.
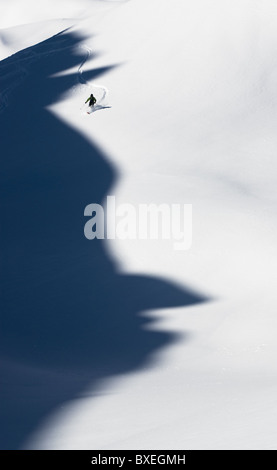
(99, 108)
(68, 318)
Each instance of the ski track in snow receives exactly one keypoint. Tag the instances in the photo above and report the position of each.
(83, 81)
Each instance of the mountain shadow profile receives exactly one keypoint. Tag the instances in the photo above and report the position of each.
(68, 318)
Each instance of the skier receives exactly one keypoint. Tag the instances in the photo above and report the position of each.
(91, 99)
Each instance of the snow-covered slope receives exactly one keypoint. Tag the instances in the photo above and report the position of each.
(184, 350)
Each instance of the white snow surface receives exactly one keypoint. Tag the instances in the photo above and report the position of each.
(190, 90)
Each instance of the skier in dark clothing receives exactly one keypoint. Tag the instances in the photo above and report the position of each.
(92, 100)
